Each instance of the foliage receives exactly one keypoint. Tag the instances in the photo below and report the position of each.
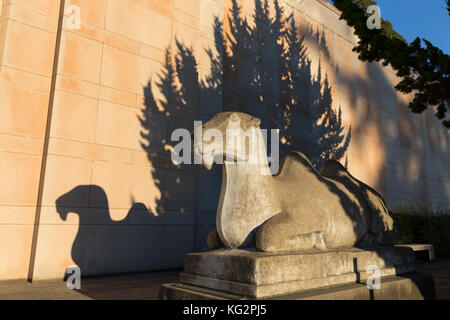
(422, 70)
(424, 226)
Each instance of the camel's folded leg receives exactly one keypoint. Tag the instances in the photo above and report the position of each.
(281, 233)
(213, 241)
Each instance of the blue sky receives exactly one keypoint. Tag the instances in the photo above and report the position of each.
(419, 18)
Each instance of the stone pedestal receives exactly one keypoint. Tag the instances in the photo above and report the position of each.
(244, 274)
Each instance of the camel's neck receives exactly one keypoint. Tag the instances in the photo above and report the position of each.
(245, 176)
(246, 199)
(252, 173)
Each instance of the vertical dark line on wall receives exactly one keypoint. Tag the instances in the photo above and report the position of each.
(46, 143)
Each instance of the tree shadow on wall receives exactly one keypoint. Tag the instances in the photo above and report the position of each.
(268, 74)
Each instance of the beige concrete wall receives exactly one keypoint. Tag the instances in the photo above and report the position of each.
(111, 200)
(135, 211)
(27, 40)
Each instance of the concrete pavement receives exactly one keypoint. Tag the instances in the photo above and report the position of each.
(145, 286)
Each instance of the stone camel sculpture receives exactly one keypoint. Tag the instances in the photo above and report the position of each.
(298, 208)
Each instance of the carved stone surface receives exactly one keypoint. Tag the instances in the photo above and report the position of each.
(261, 274)
(297, 209)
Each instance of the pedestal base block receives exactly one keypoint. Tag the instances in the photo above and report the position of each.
(244, 274)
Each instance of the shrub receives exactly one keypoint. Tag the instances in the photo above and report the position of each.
(424, 226)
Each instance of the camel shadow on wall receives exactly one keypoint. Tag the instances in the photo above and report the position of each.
(102, 245)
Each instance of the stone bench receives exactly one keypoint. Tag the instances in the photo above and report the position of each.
(422, 251)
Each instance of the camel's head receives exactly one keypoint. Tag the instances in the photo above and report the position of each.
(215, 146)
(78, 198)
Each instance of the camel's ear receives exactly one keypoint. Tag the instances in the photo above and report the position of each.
(255, 122)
